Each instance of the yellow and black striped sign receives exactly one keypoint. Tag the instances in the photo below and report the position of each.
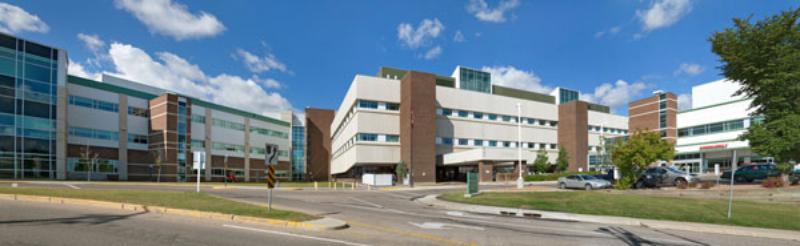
(271, 176)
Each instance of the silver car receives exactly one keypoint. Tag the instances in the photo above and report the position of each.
(583, 181)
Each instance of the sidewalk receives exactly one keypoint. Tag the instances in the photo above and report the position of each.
(432, 200)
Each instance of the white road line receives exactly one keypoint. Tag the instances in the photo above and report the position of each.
(73, 186)
(295, 235)
(366, 202)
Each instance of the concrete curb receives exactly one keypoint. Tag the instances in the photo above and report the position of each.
(314, 225)
(432, 200)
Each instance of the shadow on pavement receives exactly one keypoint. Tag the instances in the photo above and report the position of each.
(92, 219)
(625, 236)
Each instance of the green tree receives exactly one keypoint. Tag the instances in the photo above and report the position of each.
(541, 164)
(764, 57)
(562, 162)
(400, 170)
(634, 155)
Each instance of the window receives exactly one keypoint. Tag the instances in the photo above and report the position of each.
(531, 121)
(506, 118)
(447, 141)
(198, 144)
(227, 147)
(462, 141)
(553, 123)
(392, 106)
(367, 137)
(462, 113)
(477, 115)
(91, 103)
(716, 127)
(137, 111)
(553, 146)
(492, 117)
(542, 146)
(447, 112)
(367, 104)
(531, 145)
(228, 124)
(198, 119)
(137, 139)
(492, 143)
(683, 132)
(392, 138)
(507, 144)
(477, 142)
(734, 125)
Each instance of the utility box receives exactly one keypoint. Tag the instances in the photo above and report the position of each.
(377, 179)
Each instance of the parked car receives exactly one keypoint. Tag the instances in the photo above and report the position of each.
(664, 176)
(608, 176)
(794, 178)
(749, 173)
(582, 181)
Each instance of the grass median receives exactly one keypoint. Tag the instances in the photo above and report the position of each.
(171, 199)
(745, 213)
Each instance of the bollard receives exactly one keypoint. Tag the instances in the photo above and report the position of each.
(334, 185)
(353, 186)
(316, 186)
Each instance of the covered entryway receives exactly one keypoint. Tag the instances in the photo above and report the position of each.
(492, 164)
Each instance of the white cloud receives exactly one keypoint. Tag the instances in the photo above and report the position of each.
(92, 41)
(174, 73)
(512, 77)
(609, 32)
(458, 37)
(433, 53)
(480, 9)
(172, 19)
(689, 69)
(77, 69)
(258, 64)
(14, 19)
(616, 94)
(684, 101)
(414, 38)
(663, 13)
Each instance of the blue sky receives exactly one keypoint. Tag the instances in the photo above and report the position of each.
(268, 56)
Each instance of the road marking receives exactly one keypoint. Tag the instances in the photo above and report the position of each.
(295, 235)
(367, 202)
(73, 186)
(430, 237)
(462, 214)
(440, 226)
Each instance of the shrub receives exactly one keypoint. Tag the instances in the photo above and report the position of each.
(682, 185)
(773, 182)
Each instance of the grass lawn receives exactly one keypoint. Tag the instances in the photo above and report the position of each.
(745, 213)
(170, 199)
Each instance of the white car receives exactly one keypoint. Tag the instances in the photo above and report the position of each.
(583, 181)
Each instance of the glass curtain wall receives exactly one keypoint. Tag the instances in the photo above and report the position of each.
(298, 152)
(28, 81)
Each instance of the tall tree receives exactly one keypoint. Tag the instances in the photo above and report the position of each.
(764, 57)
(562, 162)
(541, 164)
(641, 150)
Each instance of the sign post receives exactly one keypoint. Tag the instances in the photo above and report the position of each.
(733, 173)
(472, 184)
(271, 159)
(199, 161)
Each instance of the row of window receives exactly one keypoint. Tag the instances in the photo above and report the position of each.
(268, 132)
(105, 135)
(494, 117)
(106, 106)
(227, 124)
(366, 137)
(100, 165)
(236, 148)
(712, 128)
(378, 105)
(367, 104)
(492, 143)
(607, 129)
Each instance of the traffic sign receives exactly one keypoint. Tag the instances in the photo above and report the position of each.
(271, 154)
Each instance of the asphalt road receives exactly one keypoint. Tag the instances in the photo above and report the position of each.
(375, 218)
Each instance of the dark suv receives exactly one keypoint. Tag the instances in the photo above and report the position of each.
(664, 176)
(750, 173)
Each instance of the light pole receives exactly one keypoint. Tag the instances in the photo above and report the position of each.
(520, 181)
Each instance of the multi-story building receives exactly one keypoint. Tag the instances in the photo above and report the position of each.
(705, 135)
(708, 133)
(442, 127)
(64, 127)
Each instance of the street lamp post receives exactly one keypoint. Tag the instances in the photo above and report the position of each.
(520, 180)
